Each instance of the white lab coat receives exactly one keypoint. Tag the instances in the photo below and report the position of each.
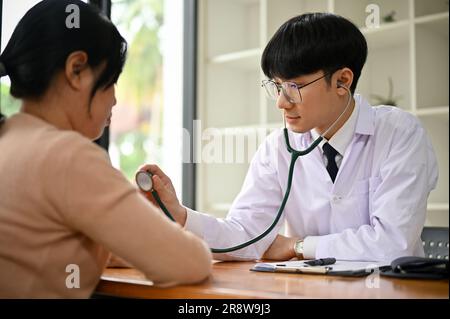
(374, 211)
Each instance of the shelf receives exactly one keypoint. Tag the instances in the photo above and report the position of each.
(389, 56)
(432, 111)
(437, 218)
(432, 18)
(427, 7)
(432, 78)
(355, 10)
(247, 59)
(436, 24)
(231, 98)
(280, 11)
(382, 64)
(438, 206)
(387, 35)
(219, 26)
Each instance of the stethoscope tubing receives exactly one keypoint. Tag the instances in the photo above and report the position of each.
(295, 154)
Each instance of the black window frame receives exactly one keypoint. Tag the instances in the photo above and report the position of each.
(105, 8)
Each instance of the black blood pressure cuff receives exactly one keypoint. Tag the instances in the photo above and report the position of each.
(418, 268)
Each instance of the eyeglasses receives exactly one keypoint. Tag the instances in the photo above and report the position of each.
(290, 90)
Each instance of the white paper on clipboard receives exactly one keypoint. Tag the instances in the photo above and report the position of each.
(341, 267)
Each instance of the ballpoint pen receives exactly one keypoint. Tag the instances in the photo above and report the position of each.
(321, 262)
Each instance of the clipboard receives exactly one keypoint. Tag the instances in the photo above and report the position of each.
(340, 268)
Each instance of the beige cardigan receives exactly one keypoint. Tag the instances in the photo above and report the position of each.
(63, 204)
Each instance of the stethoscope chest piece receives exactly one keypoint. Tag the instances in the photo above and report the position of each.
(144, 181)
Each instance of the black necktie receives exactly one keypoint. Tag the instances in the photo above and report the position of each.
(331, 153)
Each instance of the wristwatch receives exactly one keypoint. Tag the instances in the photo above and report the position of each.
(298, 248)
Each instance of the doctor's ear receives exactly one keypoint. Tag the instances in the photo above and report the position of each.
(344, 81)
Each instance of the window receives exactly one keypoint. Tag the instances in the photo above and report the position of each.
(147, 120)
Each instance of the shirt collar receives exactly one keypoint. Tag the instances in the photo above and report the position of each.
(343, 137)
(366, 119)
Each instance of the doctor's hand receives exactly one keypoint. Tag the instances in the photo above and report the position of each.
(164, 187)
(282, 248)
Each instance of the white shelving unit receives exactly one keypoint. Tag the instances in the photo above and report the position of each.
(412, 51)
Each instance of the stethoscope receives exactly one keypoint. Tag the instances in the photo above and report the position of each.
(144, 180)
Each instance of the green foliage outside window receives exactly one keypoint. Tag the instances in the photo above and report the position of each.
(139, 90)
(8, 104)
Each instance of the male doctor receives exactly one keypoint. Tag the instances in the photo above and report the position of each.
(360, 195)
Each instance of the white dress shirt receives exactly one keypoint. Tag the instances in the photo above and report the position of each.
(375, 210)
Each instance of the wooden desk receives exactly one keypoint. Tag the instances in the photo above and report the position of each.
(234, 280)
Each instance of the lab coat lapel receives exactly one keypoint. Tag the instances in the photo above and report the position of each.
(316, 158)
(365, 125)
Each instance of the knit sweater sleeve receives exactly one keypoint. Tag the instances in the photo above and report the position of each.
(96, 199)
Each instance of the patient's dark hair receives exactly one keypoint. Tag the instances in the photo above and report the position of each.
(41, 43)
(312, 42)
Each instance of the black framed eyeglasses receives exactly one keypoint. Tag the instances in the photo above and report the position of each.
(290, 90)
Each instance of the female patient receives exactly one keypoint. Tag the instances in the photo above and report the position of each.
(63, 207)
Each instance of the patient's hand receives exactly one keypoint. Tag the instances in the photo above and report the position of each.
(164, 187)
(282, 248)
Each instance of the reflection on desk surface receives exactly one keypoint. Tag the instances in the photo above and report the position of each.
(235, 280)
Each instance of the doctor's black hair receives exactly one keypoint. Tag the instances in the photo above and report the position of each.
(42, 41)
(312, 42)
